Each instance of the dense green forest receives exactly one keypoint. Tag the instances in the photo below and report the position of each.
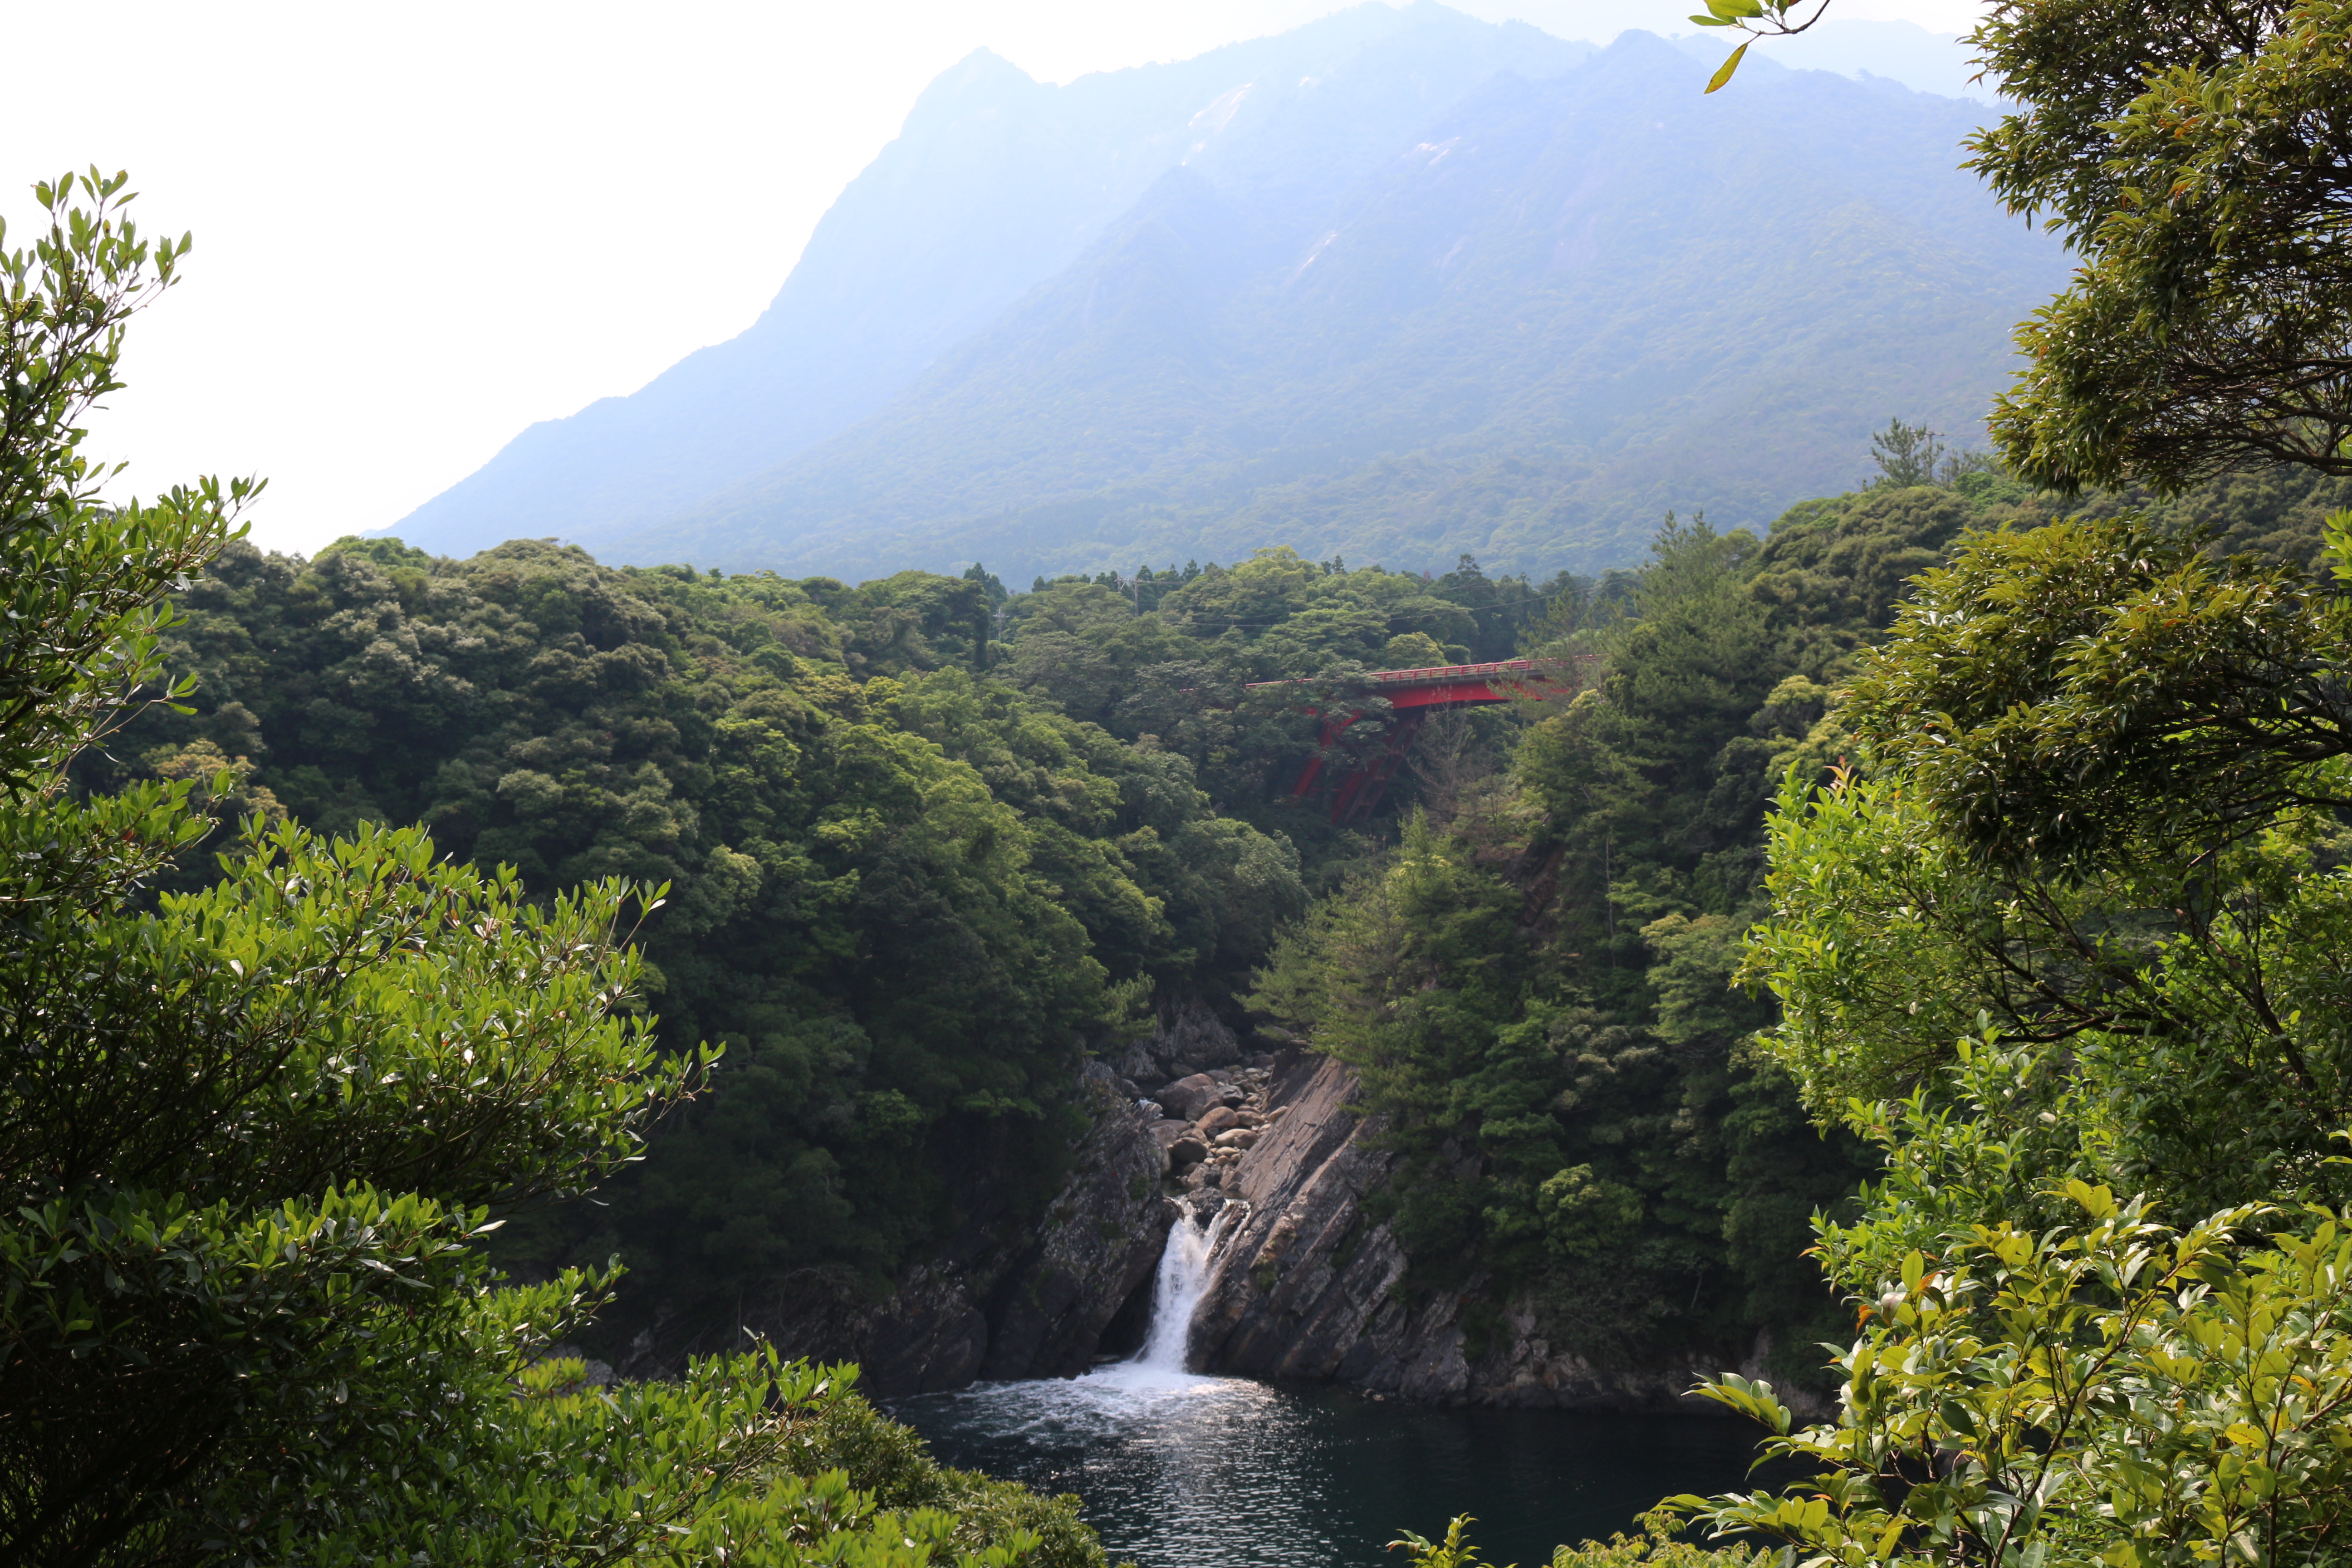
(1954, 878)
(1540, 972)
(911, 878)
(908, 886)
(928, 843)
(254, 1123)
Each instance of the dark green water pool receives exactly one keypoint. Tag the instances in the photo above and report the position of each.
(1181, 1472)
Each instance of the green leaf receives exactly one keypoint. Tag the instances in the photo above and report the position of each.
(2336, 532)
(1723, 73)
(2097, 1201)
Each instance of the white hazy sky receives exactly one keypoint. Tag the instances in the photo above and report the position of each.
(422, 227)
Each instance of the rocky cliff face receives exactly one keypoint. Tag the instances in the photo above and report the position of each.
(1006, 1299)
(1307, 1282)
(1012, 1295)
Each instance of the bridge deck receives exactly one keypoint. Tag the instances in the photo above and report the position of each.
(1408, 691)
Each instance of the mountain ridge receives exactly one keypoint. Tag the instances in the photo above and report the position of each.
(1386, 337)
(995, 183)
(1455, 286)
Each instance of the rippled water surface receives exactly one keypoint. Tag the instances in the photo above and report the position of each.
(1182, 1471)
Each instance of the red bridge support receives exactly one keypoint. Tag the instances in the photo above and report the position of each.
(1410, 694)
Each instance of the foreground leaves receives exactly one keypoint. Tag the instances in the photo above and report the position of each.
(2115, 1391)
(251, 1136)
(2080, 893)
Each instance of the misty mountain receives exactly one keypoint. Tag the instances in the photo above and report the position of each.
(995, 183)
(1394, 287)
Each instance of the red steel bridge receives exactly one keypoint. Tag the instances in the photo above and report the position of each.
(1412, 695)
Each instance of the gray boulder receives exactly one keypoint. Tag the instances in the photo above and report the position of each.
(1188, 1097)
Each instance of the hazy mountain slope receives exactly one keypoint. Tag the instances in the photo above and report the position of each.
(1550, 310)
(996, 182)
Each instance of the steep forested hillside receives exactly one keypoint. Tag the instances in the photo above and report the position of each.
(906, 887)
(929, 843)
(1540, 977)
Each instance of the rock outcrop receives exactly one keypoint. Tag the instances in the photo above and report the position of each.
(1006, 1298)
(1306, 1282)
(1187, 1038)
(1020, 1295)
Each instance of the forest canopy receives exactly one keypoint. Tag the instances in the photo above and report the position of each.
(2062, 934)
(924, 842)
(1957, 886)
(928, 843)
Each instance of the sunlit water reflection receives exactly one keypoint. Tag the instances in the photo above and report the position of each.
(1183, 1471)
(1178, 1470)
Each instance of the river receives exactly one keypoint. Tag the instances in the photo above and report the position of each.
(1181, 1471)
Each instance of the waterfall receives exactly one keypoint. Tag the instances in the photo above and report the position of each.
(1176, 1293)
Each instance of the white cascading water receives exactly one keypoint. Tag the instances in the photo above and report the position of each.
(1157, 1371)
(1176, 1293)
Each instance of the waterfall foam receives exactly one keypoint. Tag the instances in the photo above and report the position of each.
(1176, 1293)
